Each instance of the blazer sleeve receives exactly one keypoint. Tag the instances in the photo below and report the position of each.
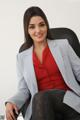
(23, 93)
(75, 62)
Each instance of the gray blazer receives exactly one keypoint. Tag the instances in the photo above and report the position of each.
(69, 66)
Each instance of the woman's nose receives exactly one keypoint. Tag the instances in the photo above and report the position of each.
(37, 29)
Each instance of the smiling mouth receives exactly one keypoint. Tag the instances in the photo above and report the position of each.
(39, 36)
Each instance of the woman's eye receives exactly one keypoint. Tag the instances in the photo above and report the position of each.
(31, 27)
(42, 25)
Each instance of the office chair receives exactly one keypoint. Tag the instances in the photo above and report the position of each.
(58, 33)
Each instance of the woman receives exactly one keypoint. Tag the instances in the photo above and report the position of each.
(46, 71)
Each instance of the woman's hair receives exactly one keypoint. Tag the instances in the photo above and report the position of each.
(29, 13)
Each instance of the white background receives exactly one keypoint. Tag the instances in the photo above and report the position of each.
(60, 13)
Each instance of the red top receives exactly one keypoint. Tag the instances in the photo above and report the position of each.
(47, 73)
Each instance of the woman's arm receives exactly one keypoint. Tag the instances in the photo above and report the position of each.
(75, 62)
(15, 103)
(23, 93)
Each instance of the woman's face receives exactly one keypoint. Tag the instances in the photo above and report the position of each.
(37, 29)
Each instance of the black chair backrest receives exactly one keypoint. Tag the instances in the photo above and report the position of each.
(61, 33)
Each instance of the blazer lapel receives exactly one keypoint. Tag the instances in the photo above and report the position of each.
(30, 73)
(55, 50)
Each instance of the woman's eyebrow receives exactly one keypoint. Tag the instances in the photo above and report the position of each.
(31, 24)
(38, 23)
(41, 22)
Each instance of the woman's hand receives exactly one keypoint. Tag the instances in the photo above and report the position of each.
(11, 111)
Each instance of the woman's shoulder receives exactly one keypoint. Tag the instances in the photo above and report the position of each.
(26, 52)
(59, 42)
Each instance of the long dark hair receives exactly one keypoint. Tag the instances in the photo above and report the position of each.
(29, 13)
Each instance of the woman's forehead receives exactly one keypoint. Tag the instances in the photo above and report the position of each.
(36, 19)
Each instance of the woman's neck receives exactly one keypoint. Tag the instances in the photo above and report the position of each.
(38, 49)
(40, 46)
